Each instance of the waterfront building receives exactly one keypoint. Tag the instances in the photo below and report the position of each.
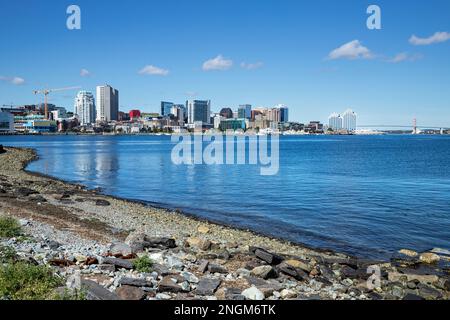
(166, 108)
(178, 114)
(40, 126)
(58, 114)
(233, 124)
(107, 104)
(226, 113)
(349, 120)
(6, 122)
(245, 111)
(282, 113)
(135, 115)
(85, 108)
(335, 122)
(199, 111)
(217, 120)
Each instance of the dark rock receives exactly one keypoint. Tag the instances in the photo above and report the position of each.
(25, 192)
(428, 292)
(134, 282)
(106, 267)
(203, 266)
(296, 273)
(102, 203)
(327, 272)
(216, 268)
(348, 261)
(37, 198)
(53, 244)
(119, 263)
(323, 280)
(268, 257)
(167, 284)
(130, 293)
(166, 243)
(374, 296)
(2, 150)
(207, 287)
(403, 260)
(411, 296)
(447, 285)
(61, 262)
(224, 254)
(252, 264)
(348, 272)
(160, 269)
(95, 291)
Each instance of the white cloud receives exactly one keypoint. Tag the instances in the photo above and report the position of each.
(218, 63)
(351, 50)
(251, 66)
(14, 80)
(404, 56)
(85, 73)
(152, 70)
(435, 38)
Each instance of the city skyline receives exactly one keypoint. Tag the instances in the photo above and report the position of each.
(390, 75)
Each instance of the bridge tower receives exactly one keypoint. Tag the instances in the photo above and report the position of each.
(414, 126)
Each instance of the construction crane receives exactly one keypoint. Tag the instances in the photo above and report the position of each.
(46, 92)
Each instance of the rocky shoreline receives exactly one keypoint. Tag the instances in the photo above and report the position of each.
(117, 249)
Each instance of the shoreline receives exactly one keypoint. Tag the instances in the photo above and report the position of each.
(85, 223)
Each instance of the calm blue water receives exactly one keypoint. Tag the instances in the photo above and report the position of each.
(364, 195)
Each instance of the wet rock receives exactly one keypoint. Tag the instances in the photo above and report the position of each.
(134, 282)
(119, 263)
(207, 286)
(428, 292)
(411, 296)
(102, 203)
(396, 276)
(298, 264)
(447, 285)
(216, 268)
(253, 293)
(95, 291)
(409, 253)
(264, 272)
(130, 293)
(297, 274)
(24, 192)
(327, 272)
(268, 257)
(348, 272)
(429, 257)
(160, 242)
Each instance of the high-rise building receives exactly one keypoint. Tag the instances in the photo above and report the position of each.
(85, 107)
(349, 120)
(166, 108)
(226, 113)
(245, 111)
(199, 111)
(6, 122)
(282, 113)
(107, 103)
(335, 121)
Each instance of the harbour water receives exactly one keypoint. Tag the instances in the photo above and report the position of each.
(363, 195)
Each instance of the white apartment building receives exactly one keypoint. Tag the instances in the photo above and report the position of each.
(85, 107)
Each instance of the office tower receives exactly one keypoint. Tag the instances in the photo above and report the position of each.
(226, 113)
(349, 120)
(166, 108)
(107, 103)
(199, 111)
(85, 107)
(245, 111)
(335, 121)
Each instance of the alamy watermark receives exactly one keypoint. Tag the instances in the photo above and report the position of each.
(74, 20)
(228, 149)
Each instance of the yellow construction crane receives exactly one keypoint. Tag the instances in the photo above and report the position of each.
(46, 92)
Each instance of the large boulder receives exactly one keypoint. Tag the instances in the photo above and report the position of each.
(139, 241)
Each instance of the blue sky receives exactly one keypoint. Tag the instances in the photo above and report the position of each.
(285, 47)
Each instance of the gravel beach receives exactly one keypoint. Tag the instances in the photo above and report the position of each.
(93, 240)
